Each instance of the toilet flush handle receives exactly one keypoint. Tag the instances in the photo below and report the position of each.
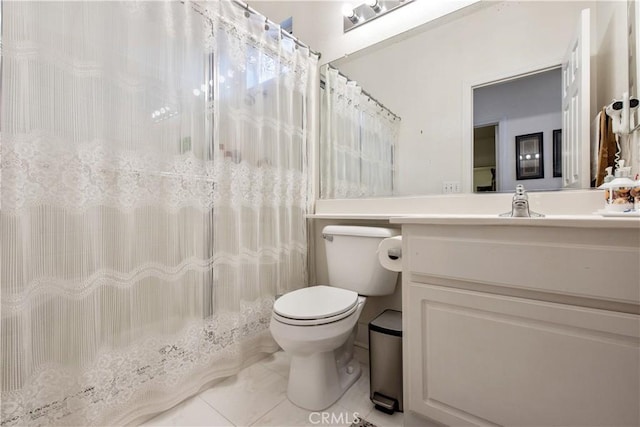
(327, 237)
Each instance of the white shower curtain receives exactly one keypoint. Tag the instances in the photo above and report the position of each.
(153, 200)
(357, 141)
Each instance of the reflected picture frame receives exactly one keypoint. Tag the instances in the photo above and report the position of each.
(529, 156)
(557, 153)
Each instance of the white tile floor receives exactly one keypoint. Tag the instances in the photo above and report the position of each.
(257, 396)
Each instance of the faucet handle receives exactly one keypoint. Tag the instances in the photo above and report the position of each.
(520, 205)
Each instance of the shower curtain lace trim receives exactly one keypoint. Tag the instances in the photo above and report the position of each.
(60, 395)
(39, 171)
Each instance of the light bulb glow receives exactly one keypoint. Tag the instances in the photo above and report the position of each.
(196, 92)
(528, 157)
(347, 11)
(373, 4)
(537, 155)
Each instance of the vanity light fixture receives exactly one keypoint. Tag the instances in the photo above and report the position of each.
(375, 5)
(369, 10)
(349, 13)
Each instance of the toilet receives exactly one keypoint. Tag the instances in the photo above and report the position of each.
(316, 326)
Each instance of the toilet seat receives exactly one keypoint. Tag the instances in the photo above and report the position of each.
(315, 305)
(314, 322)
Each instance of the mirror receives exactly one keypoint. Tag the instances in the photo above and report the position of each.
(514, 127)
(428, 77)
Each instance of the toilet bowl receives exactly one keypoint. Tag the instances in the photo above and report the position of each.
(316, 325)
(322, 365)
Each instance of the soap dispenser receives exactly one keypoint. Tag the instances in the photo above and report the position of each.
(618, 189)
(608, 177)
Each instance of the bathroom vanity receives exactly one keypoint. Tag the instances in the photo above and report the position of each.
(522, 321)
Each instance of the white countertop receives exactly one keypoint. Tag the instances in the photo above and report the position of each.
(577, 221)
(355, 216)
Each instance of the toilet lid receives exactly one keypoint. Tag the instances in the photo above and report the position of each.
(315, 302)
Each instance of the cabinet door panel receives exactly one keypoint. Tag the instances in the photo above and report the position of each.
(483, 359)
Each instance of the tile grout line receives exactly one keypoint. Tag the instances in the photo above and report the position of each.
(276, 372)
(361, 416)
(220, 413)
(273, 370)
(269, 410)
(256, 366)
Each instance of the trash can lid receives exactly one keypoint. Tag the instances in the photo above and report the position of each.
(388, 322)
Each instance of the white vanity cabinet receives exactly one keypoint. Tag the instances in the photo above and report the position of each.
(522, 321)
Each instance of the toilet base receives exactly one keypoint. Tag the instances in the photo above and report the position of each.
(316, 381)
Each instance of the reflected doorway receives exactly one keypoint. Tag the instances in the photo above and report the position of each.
(522, 105)
(485, 140)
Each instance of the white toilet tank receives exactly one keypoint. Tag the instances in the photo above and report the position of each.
(353, 260)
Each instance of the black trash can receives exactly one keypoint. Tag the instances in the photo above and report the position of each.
(385, 361)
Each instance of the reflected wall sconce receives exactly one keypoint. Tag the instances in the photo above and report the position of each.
(368, 11)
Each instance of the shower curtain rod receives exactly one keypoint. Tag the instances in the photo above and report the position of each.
(367, 94)
(251, 10)
(296, 40)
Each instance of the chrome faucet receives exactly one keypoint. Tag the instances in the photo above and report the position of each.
(520, 205)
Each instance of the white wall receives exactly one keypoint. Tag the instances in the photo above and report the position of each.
(523, 106)
(612, 75)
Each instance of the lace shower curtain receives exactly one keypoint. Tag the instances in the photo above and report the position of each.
(357, 142)
(154, 187)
